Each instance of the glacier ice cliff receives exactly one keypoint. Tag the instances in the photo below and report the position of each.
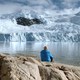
(57, 26)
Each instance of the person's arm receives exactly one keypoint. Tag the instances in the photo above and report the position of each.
(51, 57)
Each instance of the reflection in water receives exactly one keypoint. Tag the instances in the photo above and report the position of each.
(63, 52)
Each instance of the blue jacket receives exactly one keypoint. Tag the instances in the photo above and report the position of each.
(46, 55)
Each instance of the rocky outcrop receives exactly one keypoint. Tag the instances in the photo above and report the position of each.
(28, 68)
(27, 22)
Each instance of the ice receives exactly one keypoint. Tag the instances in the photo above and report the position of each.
(52, 29)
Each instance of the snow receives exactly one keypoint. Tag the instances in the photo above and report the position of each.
(49, 31)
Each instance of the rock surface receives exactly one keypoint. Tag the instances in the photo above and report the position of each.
(28, 68)
(27, 22)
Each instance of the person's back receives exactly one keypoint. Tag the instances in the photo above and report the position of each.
(46, 55)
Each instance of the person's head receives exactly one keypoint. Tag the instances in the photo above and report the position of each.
(45, 47)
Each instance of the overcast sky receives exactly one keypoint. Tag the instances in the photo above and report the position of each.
(9, 6)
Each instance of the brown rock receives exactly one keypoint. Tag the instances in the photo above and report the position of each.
(28, 68)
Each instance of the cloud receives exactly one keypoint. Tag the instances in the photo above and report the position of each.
(71, 0)
(62, 4)
(70, 11)
(71, 3)
(9, 8)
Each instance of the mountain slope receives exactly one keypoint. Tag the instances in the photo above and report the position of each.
(58, 25)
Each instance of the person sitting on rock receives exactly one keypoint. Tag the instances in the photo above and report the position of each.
(46, 55)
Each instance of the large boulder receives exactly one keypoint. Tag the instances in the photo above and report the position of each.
(28, 68)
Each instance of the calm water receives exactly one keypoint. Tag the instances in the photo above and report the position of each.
(64, 52)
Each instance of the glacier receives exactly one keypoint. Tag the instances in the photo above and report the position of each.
(57, 26)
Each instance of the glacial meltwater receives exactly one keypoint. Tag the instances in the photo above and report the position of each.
(63, 52)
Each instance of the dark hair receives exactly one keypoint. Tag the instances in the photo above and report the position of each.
(45, 47)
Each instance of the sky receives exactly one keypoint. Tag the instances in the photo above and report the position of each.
(61, 4)
(9, 6)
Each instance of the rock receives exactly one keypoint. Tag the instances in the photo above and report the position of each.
(28, 68)
(12, 68)
(27, 22)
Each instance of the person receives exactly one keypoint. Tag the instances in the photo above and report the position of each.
(46, 55)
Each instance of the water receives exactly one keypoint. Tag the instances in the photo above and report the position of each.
(63, 52)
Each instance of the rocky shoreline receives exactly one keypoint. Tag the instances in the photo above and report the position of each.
(28, 68)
